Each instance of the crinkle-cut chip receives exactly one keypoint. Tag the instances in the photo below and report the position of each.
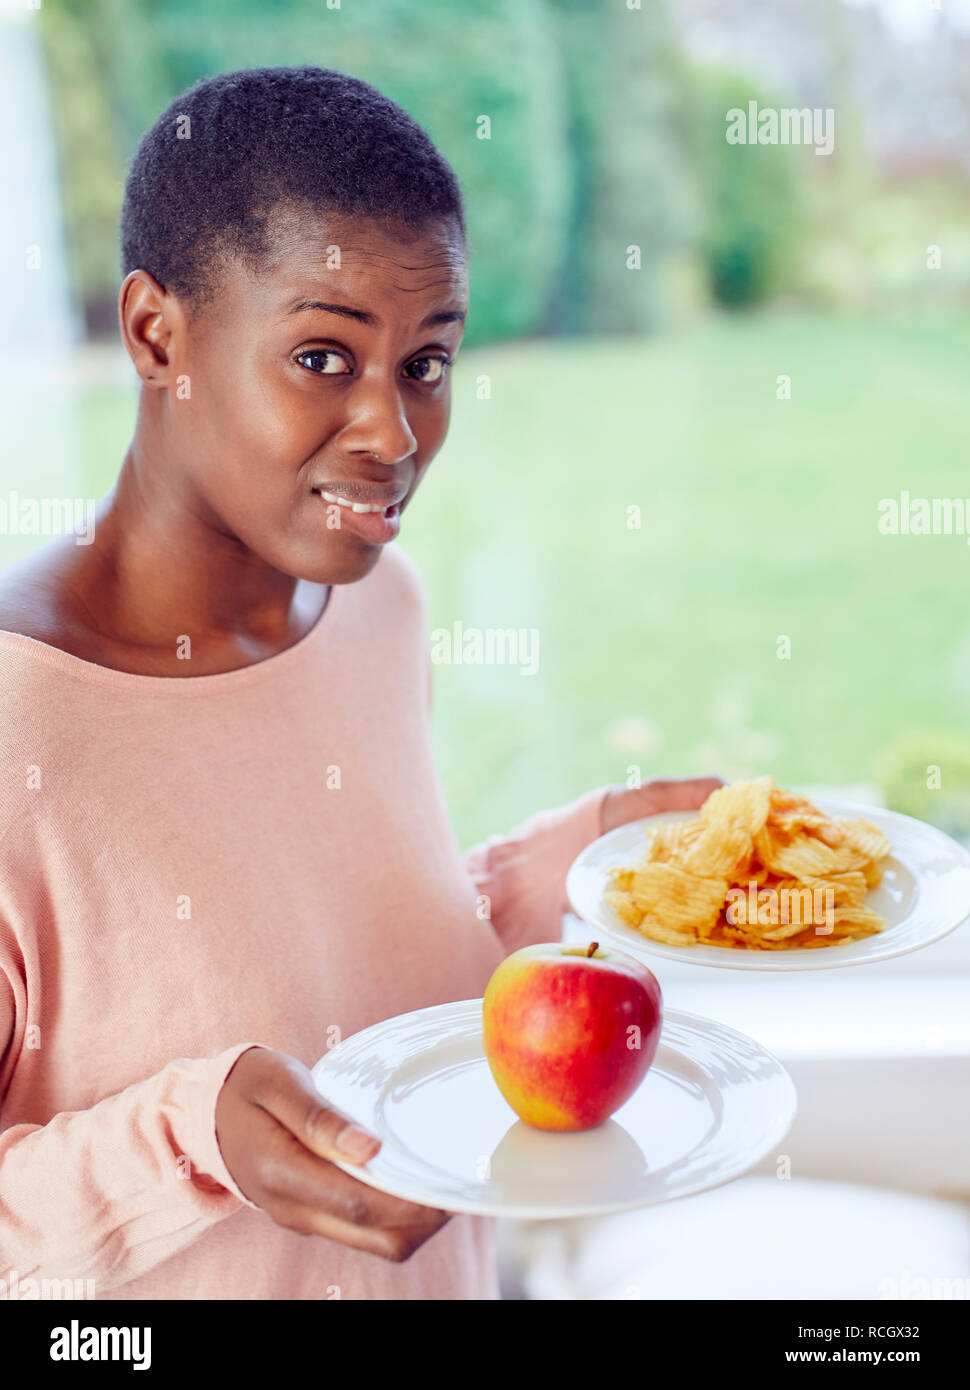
(771, 880)
(753, 940)
(624, 908)
(719, 936)
(822, 829)
(860, 920)
(784, 932)
(789, 812)
(766, 844)
(660, 843)
(670, 842)
(689, 833)
(677, 898)
(850, 887)
(723, 932)
(798, 939)
(830, 834)
(795, 904)
(873, 872)
(657, 931)
(846, 858)
(622, 879)
(721, 851)
(803, 857)
(739, 803)
(707, 926)
(850, 858)
(864, 837)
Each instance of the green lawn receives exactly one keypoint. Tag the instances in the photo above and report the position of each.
(658, 646)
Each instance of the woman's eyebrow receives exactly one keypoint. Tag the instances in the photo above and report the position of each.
(372, 321)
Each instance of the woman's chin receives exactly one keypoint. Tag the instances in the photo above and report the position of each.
(345, 564)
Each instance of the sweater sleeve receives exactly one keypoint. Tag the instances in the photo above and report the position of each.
(110, 1192)
(523, 874)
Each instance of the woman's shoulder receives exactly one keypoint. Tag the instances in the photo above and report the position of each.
(34, 601)
(33, 728)
(39, 719)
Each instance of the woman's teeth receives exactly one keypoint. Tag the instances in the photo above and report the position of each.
(354, 506)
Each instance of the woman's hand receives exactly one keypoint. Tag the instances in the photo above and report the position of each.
(278, 1140)
(676, 794)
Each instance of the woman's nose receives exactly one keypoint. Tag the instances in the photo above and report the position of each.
(379, 426)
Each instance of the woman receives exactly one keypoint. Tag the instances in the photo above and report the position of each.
(223, 845)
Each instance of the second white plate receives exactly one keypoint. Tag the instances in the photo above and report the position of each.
(925, 893)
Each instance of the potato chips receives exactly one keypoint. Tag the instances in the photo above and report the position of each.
(759, 869)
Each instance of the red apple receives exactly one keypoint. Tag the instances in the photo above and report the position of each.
(569, 1032)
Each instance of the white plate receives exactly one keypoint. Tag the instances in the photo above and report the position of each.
(712, 1105)
(925, 893)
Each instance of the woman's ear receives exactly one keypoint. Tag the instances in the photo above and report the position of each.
(150, 320)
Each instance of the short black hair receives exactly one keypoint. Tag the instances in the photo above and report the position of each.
(209, 173)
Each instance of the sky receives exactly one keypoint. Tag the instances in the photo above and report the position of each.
(911, 19)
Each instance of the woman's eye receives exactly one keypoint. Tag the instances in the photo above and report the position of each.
(328, 362)
(431, 369)
(314, 359)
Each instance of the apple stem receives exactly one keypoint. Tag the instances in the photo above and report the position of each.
(595, 947)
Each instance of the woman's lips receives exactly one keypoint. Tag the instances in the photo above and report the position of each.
(377, 527)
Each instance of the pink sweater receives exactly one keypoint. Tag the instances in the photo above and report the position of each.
(178, 882)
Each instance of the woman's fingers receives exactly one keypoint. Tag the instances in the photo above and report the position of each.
(682, 793)
(278, 1138)
(624, 804)
(300, 1178)
(284, 1087)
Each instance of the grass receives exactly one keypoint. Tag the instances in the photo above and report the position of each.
(659, 645)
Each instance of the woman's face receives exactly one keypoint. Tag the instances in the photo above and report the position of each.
(325, 372)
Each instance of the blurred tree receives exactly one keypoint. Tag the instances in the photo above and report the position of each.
(626, 84)
(89, 156)
(751, 196)
(577, 27)
(516, 182)
(642, 194)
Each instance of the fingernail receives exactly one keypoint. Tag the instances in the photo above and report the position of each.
(356, 1144)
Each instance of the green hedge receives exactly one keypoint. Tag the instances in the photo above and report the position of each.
(752, 198)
